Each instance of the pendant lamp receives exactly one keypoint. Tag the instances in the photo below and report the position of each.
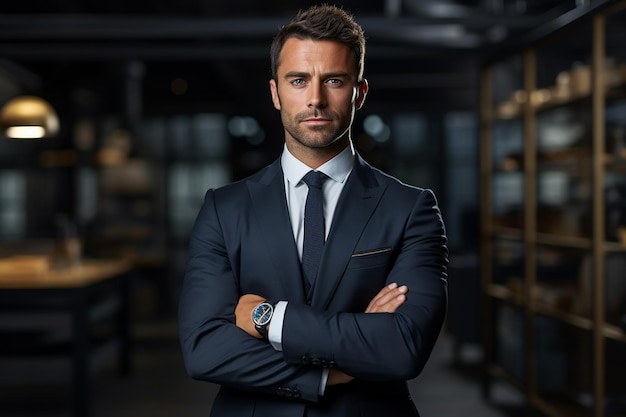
(28, 117)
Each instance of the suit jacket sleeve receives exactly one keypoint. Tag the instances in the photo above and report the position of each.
(214, 349)
(382, 346)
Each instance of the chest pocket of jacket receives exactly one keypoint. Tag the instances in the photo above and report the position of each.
(370, 258)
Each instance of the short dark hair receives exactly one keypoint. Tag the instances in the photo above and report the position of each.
(323, 22)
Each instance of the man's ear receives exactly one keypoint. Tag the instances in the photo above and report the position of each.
(362, 88)
(274, 91)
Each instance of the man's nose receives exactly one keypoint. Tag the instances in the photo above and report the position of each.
(317, 95)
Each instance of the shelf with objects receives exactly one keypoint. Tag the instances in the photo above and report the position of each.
(553, 182)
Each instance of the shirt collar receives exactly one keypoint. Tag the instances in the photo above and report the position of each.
(337, 168)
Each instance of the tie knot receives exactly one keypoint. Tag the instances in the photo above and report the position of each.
(314, 179)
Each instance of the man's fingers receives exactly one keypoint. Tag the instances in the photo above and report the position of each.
(383, 293)
(388, 299)
(378, 296)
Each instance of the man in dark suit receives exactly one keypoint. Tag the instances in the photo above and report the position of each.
(293, 326)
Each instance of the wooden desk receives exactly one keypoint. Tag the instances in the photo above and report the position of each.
(95, 291)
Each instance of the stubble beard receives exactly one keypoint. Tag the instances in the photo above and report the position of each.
(316, 137)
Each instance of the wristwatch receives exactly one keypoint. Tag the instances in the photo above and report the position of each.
(261, 316)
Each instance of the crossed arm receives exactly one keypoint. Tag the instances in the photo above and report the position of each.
(366, 346)
(387, 300)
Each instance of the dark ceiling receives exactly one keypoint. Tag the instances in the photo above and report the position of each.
(422, 54)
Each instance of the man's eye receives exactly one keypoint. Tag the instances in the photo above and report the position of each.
(297, 82)
(334, 81)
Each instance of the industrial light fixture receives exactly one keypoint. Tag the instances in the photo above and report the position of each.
(28, 117)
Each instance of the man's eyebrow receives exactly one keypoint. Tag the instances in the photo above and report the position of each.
(298, 74)
(336, 75)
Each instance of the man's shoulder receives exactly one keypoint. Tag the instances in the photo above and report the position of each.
(397, 192)
(381, 177)
(262, 176)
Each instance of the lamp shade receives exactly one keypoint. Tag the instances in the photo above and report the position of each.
(28, 117)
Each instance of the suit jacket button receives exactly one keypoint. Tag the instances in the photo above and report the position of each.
(316, 362)
(305, 359)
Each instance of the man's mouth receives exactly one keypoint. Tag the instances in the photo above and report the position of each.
(316, 121)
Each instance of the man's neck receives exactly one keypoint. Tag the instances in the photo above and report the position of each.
(316, 157)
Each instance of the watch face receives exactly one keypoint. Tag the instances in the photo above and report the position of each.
(262, 314)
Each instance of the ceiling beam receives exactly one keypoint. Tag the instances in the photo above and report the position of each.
(121, 27)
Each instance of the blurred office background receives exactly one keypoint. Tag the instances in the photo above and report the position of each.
(150, 103)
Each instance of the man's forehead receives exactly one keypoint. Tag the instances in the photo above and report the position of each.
(296, 52)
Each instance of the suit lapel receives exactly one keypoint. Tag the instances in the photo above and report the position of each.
(268, 196)
(358, 200)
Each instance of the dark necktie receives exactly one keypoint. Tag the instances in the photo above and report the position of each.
(313, 226)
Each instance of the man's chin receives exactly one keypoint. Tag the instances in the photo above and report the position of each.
(328, 143)
(322, 141)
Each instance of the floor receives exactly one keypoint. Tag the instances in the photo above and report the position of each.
(158, 385)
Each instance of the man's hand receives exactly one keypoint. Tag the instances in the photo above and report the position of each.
(388, 299)
(336, 377)
(243, 313)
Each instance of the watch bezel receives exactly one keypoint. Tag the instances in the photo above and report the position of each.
(264, 319)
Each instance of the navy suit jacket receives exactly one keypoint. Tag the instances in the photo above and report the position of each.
(383, 231)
